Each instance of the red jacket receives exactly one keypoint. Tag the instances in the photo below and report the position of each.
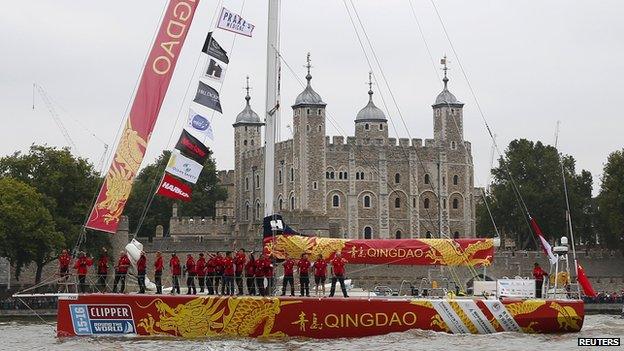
(228, 266)
(200, 268)
(82, 264)
(304, 266)
(142, 264)
(289, 264)
(64, 260)
(211, 266)
(250, 269)
(102, 267)
(123, 264)
(320, 268)
(539, 273)
(174, 264)
(239, 261)
(267, 267)
(219, 265)
(259, 267)
(339, 266)
(190, 265)
(158, 264)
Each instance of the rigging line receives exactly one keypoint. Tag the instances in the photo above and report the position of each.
(422, 35)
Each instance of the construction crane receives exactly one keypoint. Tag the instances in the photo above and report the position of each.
(54, 114)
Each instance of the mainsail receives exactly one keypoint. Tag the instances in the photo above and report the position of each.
(150, 94)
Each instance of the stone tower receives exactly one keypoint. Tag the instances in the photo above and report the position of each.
(247, 137)
(448, 117)
(371, 123)
(308, 173)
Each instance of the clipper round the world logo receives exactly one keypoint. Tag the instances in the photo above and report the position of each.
(200, 123)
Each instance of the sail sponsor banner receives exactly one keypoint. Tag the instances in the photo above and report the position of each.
(233, 22)
(173, 188)
(192, 147)
(183, 167)
(446, 252)
(212, 48)
(336, 317)
(505, 319)
(215, 70)
(208, 96)
(150, 93)
(199, 125)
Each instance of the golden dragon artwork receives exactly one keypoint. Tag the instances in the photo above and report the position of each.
(296, 245)
(212, 316)
(448, 252)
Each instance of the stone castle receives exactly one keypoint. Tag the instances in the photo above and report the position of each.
(367, 187)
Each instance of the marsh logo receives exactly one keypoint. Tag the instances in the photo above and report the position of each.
(102, 319)
(200, 123)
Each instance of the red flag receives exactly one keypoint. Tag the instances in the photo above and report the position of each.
(545, 245)
(174, 188)
(584, 282)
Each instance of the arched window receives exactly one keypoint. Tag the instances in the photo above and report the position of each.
(307, 128)
(453, 145)
(336, 201)
(455, 179)
(308, 112)
(346, 175)
(397, 235)
(380, 126)
(292, 174)
(414, 202)
(292, 202)
(245, 128)
(455, 204)
(426, 178)
(426, 203)
(257, 180)
(362, 175)
(318, 112)
(246, 183)
(456, 235)
(224, 219)
(357, 175)
(397, 202)
(281, 204)
(397, 178)
(247, 211)
(367, 201)
(314, 185)
(444, 204)
(252, 142)
(331, 175)
(367, 126)
(368, 232)
(279, 176)
(428, 235)
(257, 210)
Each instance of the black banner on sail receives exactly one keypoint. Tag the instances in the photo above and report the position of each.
(192, 147)
(212, 48)
(214, 70)
(207, 96)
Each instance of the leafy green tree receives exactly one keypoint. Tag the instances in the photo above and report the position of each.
(67, 183)
(205, 195)
(536, 171)
(611, 202)
(27, 231)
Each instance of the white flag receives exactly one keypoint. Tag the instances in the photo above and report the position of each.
(232, 22)
(183, 167)
(198, 124)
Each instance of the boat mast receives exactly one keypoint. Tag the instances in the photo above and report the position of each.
(272, 105)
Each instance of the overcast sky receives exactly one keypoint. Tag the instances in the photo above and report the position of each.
(530, 63)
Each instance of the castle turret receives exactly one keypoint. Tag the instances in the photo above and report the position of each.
(448, 117)
(309, 148)
(371, 122)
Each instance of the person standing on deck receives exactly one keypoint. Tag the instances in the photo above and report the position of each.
(250, 274)
(240, 261)
(64, 261)
(338, 270)
(141, 271)
(303, 266)
(320, 272)
(538, 274)
(158, 268)
(82, 266)
(218, 273)
(102, 271)
(210, 274)
(176, 272)
(288, 265)
(190, 274)
(120, 272)
(201, 271)
(260, 275)
(228, 274)
(268, 274)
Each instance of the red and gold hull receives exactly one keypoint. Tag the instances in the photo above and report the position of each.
(213, 316)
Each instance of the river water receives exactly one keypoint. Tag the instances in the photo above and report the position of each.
(18, 335)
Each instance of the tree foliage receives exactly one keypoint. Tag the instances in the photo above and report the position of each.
(611, 202)
(205, 195)
(536, 170)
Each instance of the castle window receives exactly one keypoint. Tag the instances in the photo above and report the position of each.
(367, 201)
(455, 204)
(292, 174)
(368, 232)
(426, 203)
(246, 183)
(414, 202)
(397, 178)
(381, 126)
(453, 145)
(245, 128)
(444, 204)
(456, 235)
(279, 176)
(281, 204)
(397, 202)
(307, 127)
(357, 175)
(257, 181)
(362, 175)
(443, 180)
(308, 112)
(318, 112)
(257, 210)
(428, 235)
(336, 201)
(367, 126)
(426, 178)
(320, 127)
(331, 175)
(455, 180)
(252, 142)
(224, 219)
(397, 235)
(292, 202)
(339, 175)
(247, 211)
(245, 142)
(314, 185)
(327, 175)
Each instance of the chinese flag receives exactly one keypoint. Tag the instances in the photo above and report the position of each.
(584, 282)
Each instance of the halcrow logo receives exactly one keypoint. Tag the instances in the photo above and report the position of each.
(200, 123)
(174, 189)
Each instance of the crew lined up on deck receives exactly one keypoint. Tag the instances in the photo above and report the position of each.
(215, 274)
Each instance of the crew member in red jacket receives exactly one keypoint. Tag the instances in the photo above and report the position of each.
(120, 272)
(240, 261)
(303, 266)
(338, 269)
(218, 274)
(228, 274)
(190, 274)
(102, 271)
(288, 265)
(158, 269)
(250, 274)
(141, 271)
(268, 274)
(320, 272)
(211, 267)
(64, 261)
(176, 272)
(82, 266)
(538, 274)
(200, 268)
(259, 268)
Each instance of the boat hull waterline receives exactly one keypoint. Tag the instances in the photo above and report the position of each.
(190, 316)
